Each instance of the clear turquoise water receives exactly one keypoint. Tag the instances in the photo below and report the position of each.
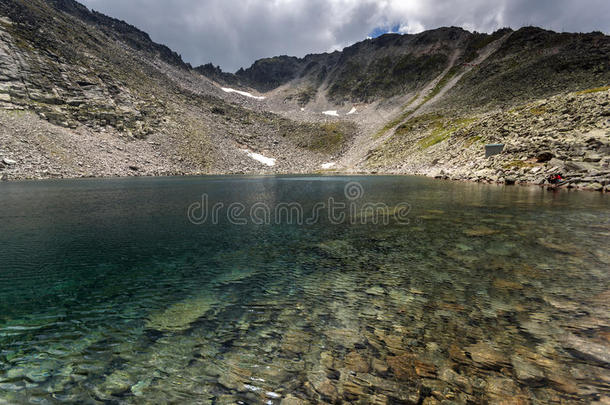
(109, 294)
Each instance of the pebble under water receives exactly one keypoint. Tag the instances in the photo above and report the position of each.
(489, 294)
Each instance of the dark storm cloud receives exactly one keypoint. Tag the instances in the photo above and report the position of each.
(233, 33)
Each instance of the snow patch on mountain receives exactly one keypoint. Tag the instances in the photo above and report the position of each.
(243, 93)
(261, 158)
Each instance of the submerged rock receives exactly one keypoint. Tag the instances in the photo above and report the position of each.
(504, 391)
(503, 284)
(453, 378)
(424, 369)
(527, 371)
(587, 350)
(354, 361)
(180, 315)
(292, 400)
(296, 342)
(323, 385)
(339, 249)
(234, 275)
(115, 384)
(486, 356)
(344, 337)
(375, 290)
(403, 366)
(379, 366)
(480, 231)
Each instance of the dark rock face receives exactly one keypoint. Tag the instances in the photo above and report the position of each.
(124, 31)
(534, 63)
(382, 67)
(216, 73)
(75, 80)
(267, 74)
(544, 157)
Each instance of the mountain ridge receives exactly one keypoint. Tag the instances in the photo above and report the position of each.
(86, 73)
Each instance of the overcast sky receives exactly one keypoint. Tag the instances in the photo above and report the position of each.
(234, 33)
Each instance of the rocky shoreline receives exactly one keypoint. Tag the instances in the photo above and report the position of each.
(565, 134)
(135, 172)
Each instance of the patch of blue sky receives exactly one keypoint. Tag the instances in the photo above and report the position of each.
(379, 31)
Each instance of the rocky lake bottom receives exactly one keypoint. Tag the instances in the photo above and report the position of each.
(110, 293)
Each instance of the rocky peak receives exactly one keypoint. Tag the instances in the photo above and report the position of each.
(119, 29)
(269, 73)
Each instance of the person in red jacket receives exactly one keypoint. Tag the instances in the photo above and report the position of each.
(555, 178)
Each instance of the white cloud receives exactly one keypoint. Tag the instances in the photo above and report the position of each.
(234, 33)
(411, 28)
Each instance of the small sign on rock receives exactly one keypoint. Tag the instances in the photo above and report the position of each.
(493, 149)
